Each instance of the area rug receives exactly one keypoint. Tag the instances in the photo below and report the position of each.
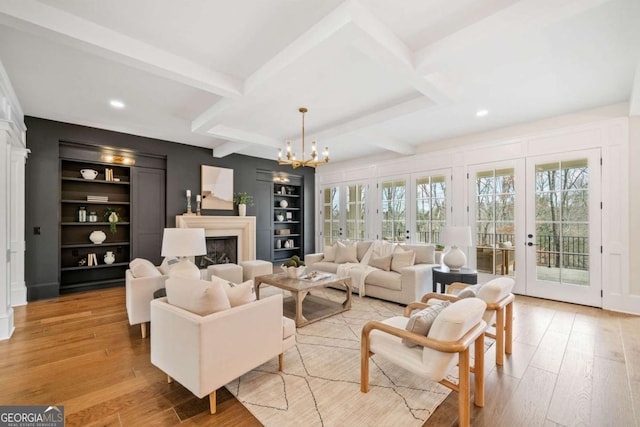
(320, 384)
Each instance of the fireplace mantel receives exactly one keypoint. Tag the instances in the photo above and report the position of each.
(244, 227)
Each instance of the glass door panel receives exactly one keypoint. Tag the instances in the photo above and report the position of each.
(394, 210)
(495, 213)
(356, 202)
(430, 208)
(331, 228)
(563, 256)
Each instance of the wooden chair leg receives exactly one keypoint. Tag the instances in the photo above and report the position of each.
(478, 371)
(509, 328)
(169, 379)
(212, 402)
(143, 329)
(500, 337)
(280, 362)
(464, 392)
(364, 363)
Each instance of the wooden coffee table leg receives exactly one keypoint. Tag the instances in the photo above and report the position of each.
(347, 302)
(299, 297)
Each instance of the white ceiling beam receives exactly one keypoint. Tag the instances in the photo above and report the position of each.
(314, 36)
(237, 135)
(387, 143)
(207, 119)
(634, 101)
(63, 27)
(518, 18)
(228, 148)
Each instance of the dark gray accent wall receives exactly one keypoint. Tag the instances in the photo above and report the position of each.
(183, 172)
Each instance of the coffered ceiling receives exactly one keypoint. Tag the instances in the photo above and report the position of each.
(378, 76)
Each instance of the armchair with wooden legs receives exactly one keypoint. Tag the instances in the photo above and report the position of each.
(497, 294)
(453, 331)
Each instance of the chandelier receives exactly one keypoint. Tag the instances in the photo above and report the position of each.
(312, 162)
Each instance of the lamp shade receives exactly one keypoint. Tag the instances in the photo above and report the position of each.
(456, 236)
(182, 242)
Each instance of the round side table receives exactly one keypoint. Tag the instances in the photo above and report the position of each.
(443, 275)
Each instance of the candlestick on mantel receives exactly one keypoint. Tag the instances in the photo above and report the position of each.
(197, 197)
(188, 193)
(189, 201)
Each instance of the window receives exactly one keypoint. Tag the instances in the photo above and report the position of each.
(431, 208)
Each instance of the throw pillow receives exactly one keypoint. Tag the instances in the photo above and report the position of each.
(425, 254)
(402, 259)
(467, 293)
(197, 296)
(381, 262)
(420, 322)
(167, 263)
(242, 293)
(330, 253)
(141, 267)
(346, 253)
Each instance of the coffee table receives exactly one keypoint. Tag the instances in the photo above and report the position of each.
(302, 307)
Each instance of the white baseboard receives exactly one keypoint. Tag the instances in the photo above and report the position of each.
(6, 325)
(18, 295)
(622, 303)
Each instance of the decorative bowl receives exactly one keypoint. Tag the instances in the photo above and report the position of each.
(89, 173)
(284, 203)
(294, 272)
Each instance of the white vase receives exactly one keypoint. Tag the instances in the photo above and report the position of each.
(113, 217)
(242, 209)
(109, 257)
(280, 218)
(97, 236)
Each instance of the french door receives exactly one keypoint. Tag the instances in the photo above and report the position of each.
(413, 208)
(344, 211)
(563, 237)
(538, 220)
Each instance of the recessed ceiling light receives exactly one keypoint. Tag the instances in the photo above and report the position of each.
(482, 113)
(116, 104)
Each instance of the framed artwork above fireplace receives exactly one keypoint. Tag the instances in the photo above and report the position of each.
(216, 188)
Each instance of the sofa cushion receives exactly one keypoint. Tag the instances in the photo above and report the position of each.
(420, 322)
(362, 248)
(346, 253)
(197, 296)
(402, 259)
(425, 254)
(329, 267)
(239, 294)
(381, 262)
(330, 253)
(385, 279)
(167, 263)
(141, 267)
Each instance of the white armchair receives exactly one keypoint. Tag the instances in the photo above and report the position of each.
(453, 331)
(139, 293)
(203, 353)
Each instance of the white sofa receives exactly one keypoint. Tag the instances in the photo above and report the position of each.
(406, 286)
(203, 353)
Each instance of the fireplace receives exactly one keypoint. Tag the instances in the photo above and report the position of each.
(242, 227)
(220, 250)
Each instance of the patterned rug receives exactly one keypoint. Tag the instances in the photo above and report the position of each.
(320, 384)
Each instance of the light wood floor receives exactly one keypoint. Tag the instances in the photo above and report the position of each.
(571, 365)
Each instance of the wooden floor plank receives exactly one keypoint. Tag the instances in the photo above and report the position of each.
(570, 365)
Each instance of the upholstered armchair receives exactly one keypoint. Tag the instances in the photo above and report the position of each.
(203, 353)
(138, 294)
(453, 331)
(497, 294)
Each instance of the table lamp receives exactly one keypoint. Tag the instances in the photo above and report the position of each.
(184, 243)
(454, 237)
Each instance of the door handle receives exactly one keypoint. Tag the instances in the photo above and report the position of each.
(531, 244)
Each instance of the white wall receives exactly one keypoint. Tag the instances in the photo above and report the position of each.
(634, 204)
(13, 154)
(606, 129)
